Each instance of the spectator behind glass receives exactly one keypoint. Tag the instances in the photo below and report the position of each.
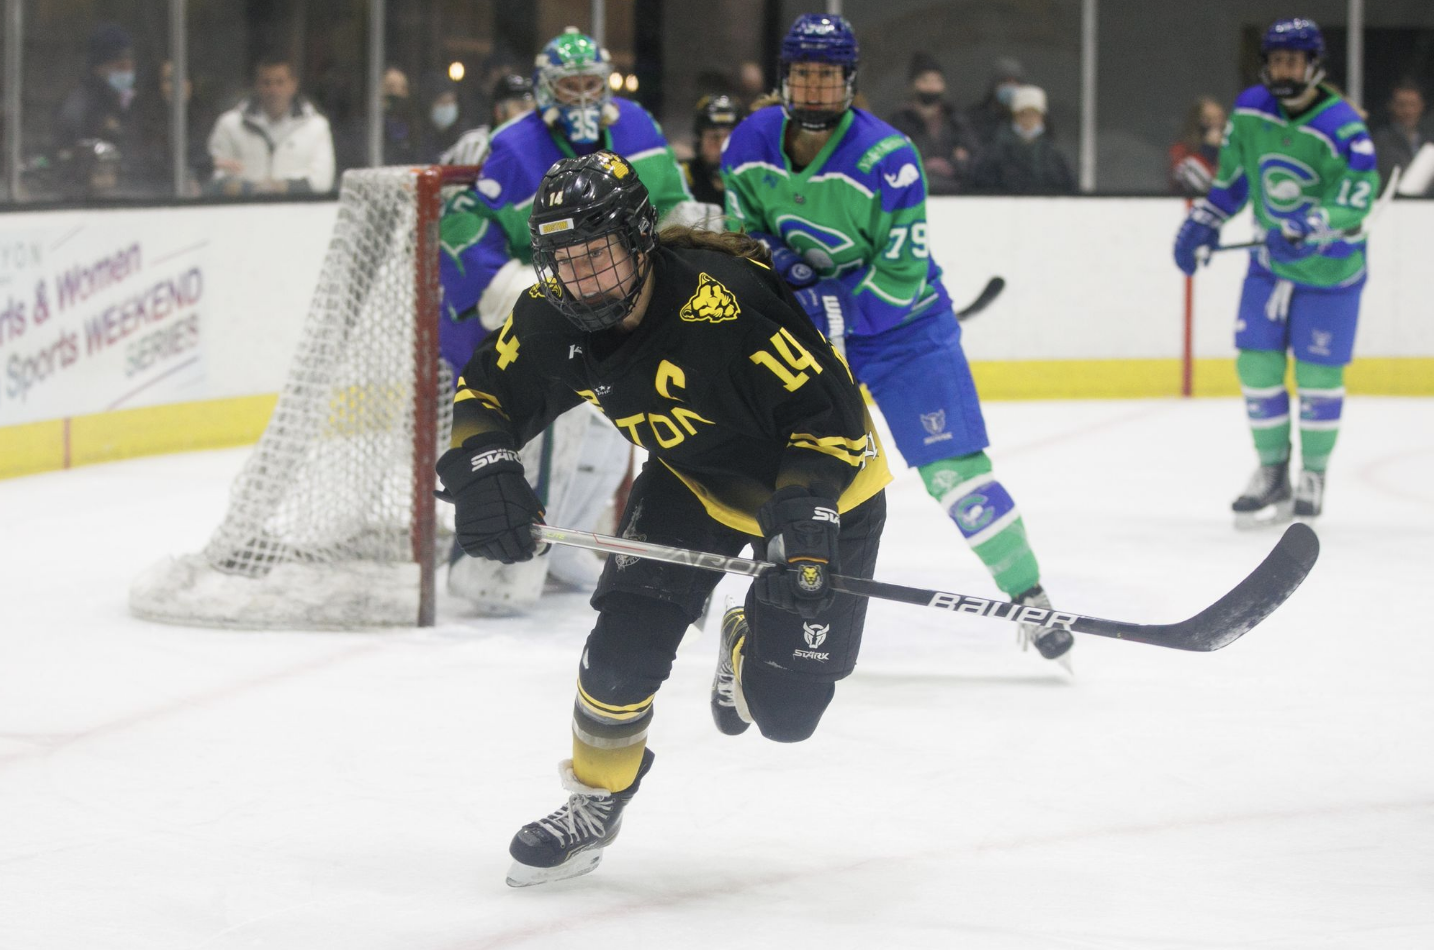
(512, 97)
(101, 109)
(1408, 130)
(154, 116)
(940, 133)
(1022, 160)
(443, 119)
(274, 142)
(993, 113)
(1195, 156)
(400, 123)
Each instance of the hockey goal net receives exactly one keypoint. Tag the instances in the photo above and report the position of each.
(332, 523)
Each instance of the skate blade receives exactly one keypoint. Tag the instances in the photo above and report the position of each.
(522, 875)
(1267, 517)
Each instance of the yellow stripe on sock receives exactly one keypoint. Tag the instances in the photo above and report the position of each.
(612, 769)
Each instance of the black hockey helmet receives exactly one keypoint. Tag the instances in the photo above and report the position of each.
(716, 112)
(594, 224)
(512, 86)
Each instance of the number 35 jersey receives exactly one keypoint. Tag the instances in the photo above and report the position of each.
(725, 381)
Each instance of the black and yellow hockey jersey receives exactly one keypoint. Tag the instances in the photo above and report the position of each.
(725, 381)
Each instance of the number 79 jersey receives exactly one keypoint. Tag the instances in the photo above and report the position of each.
(857, 213)
(725, 381)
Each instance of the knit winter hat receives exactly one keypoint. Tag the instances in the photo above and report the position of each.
(107, 42)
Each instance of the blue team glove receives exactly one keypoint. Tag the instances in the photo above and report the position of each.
(788, 264)
(1201, 229)
(1299, 237)
(831, 307)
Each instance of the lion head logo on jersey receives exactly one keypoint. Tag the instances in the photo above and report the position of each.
(712, 302)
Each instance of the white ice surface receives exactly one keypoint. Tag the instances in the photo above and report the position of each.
(166, 788)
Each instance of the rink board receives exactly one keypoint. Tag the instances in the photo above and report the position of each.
(134, 332)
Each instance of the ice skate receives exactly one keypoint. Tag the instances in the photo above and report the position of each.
(1309, 495)
(1053, 643)
(1267, 498)
(569, 842)
(728, 710)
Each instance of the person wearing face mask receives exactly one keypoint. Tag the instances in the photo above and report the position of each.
(443, 121)
(993, 113)
(940, 133)
(1022, 160)
(512, 99)
(101, 108)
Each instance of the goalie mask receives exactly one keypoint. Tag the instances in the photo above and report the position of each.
(570, 86)
(822, 96)
(593, 229)
(1297, 35)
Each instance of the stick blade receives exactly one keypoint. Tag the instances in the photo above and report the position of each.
(1253, 599)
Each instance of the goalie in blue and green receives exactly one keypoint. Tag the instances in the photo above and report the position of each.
(1301, 155)
(485, 228)
(839, 198)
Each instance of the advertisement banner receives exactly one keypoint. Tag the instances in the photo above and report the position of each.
(99, 318)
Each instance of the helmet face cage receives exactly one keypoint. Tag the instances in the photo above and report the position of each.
(593, 228)
(819, 38)
(1299, 35)
(594, 283)
(570, 85)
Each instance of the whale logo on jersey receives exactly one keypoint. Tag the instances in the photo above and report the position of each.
(905, 176)
(489, 188)
(1283, 180)
(712, 302)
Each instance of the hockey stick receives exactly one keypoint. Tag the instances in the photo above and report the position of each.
(990, 292)
(1218, 625)
(1363, 229)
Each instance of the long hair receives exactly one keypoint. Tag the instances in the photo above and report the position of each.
(734, 243)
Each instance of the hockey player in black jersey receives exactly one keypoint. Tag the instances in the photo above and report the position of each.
(755, 434)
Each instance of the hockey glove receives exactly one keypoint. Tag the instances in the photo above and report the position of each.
(1298, 238)
(788, 264)
(495, 507)
(831, 307)
(1201, 229)
(802, 530)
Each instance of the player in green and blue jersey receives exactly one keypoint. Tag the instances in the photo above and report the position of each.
(1301, 155)
(839, 198)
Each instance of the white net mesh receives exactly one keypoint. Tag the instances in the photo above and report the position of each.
(320, 527)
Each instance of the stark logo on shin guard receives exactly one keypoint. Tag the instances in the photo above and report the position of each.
(815, 634)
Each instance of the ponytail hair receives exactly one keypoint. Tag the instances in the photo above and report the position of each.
(735, 243)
